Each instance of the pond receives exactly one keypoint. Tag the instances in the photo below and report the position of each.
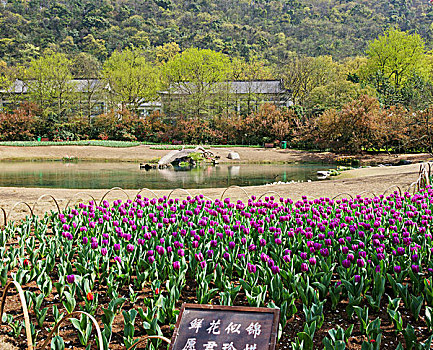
(94, 175)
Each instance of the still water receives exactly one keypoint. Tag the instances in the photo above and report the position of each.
(91, 175)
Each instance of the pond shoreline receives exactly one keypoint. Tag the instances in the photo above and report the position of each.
(145, 153)
(374, 180)
(102, 175)
(367, 180)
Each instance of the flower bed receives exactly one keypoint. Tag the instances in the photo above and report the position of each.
(325, 263)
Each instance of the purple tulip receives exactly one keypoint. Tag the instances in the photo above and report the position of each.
(176, 265)
(251, 268)
(346, 263)
(271, 263)
(130, 248)
(360, 262)
(357, 278)
(324, 252)
(304, 267)
(104, 251)
(275, 269)
(199, 257)
(70, 278)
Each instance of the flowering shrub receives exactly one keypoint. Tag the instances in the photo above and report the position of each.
(275, 250)
(18, 125)
(194, 131)
(356, 127)
(269, 122)
(364, 125)
(117, 125)
(360, 125)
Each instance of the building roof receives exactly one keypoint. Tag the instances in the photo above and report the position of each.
(81, 85)
(270, 87)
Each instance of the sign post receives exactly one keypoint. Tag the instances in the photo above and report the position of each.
(217, 327)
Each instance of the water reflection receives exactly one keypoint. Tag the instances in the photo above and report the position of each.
(128, 175)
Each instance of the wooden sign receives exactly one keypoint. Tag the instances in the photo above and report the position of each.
(212, 327)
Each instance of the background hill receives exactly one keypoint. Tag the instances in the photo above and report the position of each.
(267, 29)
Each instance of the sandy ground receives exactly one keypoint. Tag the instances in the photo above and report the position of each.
(4, 345)
(145, 153)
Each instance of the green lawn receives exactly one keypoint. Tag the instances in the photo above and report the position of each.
(70, 143)
(108, 144)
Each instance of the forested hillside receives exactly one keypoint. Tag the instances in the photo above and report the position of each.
(267, 29)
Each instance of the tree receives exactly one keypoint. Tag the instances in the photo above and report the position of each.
(336, 94)
(49, 82)
(6, 76)
(301, 75)
(195, 81)
(132, 79)
(396, 56)
(254, 69)
(92, 88)
(167, 52)
(359, 125)
(95, 47)
(250, 71)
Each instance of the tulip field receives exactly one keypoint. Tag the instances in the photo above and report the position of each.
(347, 273)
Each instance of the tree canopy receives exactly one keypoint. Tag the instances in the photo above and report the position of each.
(396, 56)
(131, 78)
(269, 30)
